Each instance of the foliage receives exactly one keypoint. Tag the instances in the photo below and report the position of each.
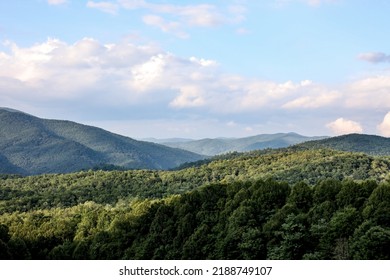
(263, 219)
(292, 203)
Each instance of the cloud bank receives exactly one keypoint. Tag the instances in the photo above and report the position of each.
(150, 81)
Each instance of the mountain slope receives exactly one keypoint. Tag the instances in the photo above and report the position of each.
(218, 146)
(30, 145)
(369, 144)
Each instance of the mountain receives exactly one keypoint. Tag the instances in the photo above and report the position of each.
(369, 144)
(166, 140)
(31, 145)
(211, 147)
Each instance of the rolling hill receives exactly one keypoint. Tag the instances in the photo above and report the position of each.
(368, 144)
(31, 145)
(211, 147)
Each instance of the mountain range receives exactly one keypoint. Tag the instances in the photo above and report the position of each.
(217, 146)
(32, 145)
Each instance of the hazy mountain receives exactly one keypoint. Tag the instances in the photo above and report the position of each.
(31, 145)
(166, 140)
(218, 146)
(369, 144)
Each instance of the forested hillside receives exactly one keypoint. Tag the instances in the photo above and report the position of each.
(108, 187)
(242, 220)
(31, 145)
(277, 204)
(369, 144)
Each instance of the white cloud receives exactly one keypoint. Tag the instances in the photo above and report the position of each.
(148, 74)
(384, 127)
(54, 69)
(202, 15)
(190, 96)
(135, 74)
(142, 76)
(203, 62)
(107, 7)
(259, 94)
(56, 2)
(313, 96)
(173, 27)
(132, 4)
(374, 57)
(175, 19)
(343, 126)
(369, 92)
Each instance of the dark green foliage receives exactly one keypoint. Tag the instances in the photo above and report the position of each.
(371, 242)
(378, 206)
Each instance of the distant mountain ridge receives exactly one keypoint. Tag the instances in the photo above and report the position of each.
(368, 144)
(217, 146)
(31, 145)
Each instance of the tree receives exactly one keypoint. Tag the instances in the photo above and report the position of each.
(371, 243)
(295, 239)
(301, 196)
(378, 206)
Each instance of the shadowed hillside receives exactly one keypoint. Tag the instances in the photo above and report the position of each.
(30, 145)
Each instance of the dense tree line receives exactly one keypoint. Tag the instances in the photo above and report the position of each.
(262, 219)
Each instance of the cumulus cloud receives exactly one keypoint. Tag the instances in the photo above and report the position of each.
(344, 126)
(54, 69)
(384, 127)
(142, 76)
(123, 73)
(374, 57)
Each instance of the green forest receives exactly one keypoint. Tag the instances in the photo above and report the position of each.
(292, 203)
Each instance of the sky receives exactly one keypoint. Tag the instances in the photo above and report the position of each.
(200, 69)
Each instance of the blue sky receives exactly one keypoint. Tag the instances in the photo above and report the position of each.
(196, 69)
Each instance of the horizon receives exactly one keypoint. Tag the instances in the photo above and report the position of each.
(194, 69)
